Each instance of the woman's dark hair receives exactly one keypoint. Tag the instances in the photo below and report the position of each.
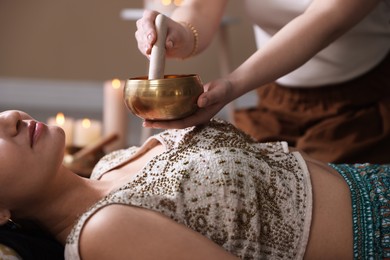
(31, 242)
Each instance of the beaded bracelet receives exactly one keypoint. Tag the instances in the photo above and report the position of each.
(196, 38)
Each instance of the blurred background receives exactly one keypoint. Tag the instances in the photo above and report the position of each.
(56, 56)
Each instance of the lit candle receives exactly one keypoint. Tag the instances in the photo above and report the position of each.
(115, 114)
(66, 124)
(86, 131)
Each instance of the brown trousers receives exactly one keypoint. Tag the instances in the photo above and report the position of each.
(343, 123)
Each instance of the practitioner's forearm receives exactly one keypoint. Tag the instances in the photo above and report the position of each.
(204, 15)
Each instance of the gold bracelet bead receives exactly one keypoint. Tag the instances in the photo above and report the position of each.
(196, 38)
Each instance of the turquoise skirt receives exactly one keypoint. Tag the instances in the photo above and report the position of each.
(370, 193)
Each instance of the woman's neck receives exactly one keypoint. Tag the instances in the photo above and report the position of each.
(66, 200)
(70, 195)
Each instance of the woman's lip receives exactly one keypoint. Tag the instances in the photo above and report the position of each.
(35, 130)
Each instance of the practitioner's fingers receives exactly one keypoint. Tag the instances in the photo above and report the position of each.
(146, 34)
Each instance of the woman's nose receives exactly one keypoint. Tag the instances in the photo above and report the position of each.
(9, 122)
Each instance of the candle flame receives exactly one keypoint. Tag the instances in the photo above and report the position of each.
(86, 123)
(116, 83)
(60, 119)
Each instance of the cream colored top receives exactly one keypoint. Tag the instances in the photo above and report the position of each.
(253, 199)
(353, 54)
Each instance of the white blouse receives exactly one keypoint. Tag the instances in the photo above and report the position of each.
(350, 56)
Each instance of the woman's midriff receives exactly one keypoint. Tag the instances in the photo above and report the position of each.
(331, 233)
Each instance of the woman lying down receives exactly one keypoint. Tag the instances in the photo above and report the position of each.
(206, 192)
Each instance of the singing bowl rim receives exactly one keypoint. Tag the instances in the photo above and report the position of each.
(166, 77)
(135, 85)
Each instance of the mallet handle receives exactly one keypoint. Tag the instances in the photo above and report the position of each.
(157, 57)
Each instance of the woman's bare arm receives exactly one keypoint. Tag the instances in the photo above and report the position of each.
(127, 232)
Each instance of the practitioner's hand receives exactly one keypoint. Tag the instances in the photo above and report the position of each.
(216, 95)
(178, 42)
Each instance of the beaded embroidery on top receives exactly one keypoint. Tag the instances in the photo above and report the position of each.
(253, 199)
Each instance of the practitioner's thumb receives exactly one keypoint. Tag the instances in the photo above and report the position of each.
(203, 101)
(208, 98)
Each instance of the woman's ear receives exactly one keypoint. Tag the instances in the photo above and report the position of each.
(5, 215)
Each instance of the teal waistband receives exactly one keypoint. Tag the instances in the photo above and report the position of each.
(370, 192)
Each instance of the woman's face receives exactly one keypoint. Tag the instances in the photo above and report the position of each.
(30, 154)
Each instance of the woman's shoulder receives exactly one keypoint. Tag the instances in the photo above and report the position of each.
(104, 232)
(112, 229)
(121, 231)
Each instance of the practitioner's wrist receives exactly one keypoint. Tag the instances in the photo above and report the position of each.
(194, 34)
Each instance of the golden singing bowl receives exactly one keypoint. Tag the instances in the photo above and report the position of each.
(173, 97)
